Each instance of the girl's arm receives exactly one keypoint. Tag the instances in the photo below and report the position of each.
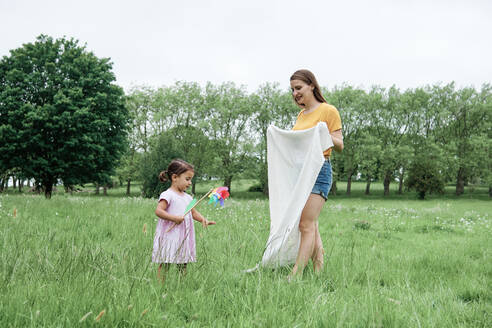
(337, 138)
(161, 212)
(197, 216)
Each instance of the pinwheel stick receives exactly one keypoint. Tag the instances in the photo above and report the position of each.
(188, 211)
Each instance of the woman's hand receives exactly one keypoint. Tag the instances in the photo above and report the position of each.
(337, 138)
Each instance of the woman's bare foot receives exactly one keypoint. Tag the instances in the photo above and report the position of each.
(293, 274)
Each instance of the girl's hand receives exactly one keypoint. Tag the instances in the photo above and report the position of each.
(206, 223)
(179, 219)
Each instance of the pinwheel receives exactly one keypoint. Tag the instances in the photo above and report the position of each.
(217, 195)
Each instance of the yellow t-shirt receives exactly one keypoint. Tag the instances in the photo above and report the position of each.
(324, 113)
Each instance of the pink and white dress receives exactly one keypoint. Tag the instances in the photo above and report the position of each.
(177, 245)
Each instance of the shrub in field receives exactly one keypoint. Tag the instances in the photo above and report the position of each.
(362, 225)
(255, 188)
(424, 174)
(163, 150)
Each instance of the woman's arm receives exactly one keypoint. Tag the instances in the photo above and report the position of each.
(197, 216)
(161, 212)
(337, 138)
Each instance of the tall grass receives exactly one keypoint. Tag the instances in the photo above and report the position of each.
(388, 263)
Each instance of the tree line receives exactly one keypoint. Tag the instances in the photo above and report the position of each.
(64, 120)
(433, 133)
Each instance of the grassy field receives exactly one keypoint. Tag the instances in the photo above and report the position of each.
(395, 262)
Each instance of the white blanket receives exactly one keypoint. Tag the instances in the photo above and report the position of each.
(294, 161)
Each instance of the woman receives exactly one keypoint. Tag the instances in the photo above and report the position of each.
(307, 95)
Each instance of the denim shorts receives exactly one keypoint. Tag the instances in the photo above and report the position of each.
(322, 185)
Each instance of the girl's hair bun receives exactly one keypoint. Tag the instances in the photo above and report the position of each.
(163, 176)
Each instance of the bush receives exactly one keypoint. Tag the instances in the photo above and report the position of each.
(255, 188)
(162, 151)
(362, 225)
(424, 174)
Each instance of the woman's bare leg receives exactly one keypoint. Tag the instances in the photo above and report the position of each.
(318, 251)
(307, 227)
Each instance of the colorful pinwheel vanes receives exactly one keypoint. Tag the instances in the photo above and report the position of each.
(218, 195)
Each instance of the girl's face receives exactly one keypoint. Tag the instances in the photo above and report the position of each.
(182, 181)
(301, 92)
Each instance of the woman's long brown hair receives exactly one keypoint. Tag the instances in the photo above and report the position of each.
(308, 78)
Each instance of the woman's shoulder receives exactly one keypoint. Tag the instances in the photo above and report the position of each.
(328, 108)
(329, 112)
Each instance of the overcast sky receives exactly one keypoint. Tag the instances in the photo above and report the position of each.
(362, 43)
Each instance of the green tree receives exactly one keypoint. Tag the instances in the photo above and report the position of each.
(163, 149)
(425, 171)
(181, 108)
(128, 168)
(390, 121)
(229, 127)
(62, 118)
(196, 148)
(138, 103)
(369, 148)
(348, 101)
(481, 160)
(190, 127)
(466, 114)
(141, 105)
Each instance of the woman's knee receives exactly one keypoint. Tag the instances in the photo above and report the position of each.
(306, 226)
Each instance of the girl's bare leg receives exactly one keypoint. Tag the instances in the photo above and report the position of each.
(307, 227)
(161, 277)
(182, 268)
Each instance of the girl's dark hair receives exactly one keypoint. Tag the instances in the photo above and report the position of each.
(307, 77)
(178, 167)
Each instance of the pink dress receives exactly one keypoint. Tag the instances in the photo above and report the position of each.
(177, 245)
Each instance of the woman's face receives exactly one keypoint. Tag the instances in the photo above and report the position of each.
(301, 92)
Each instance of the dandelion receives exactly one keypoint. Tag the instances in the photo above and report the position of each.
(130, 307)
(85, 316)
(99, 316)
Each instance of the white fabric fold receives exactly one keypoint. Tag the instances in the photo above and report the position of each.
(294, 161)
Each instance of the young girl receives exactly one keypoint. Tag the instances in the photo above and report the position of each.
(176, 245)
